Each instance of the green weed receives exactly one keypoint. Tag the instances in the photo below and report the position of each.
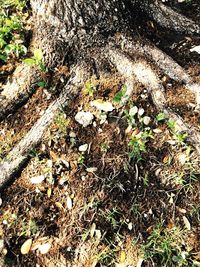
(11, 36)
(36, 60)
(165, 245)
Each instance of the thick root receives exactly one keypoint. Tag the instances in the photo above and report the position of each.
(19, 155)
(168, 18)
(165, 63)
(143, 72)
(18, 89)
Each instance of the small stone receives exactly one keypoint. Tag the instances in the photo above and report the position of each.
(84, 118)
(37, 179)
(130, 226)
(195, 49)
(72, 134)
(83, 148)
(133, 111)
(44, 248)
(140, 111)
(146, 120)
(83, 177)
(157, 130)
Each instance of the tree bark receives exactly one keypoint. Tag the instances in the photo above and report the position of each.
(76, 32)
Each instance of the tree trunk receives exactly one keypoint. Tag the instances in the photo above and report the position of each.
(77, 32)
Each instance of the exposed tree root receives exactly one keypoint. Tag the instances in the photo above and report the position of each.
(19, 155)
(143, 72)
(168, 18)
(18, 89)
(165, 63)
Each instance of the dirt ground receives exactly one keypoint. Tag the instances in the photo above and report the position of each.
(119, 192)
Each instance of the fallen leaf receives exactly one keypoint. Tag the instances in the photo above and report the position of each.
(187, 223)
(91, 169)
(59, 205)
(25, 248)
(92, 230)
(49, 191)
(122, 256)
(98, 234)
(54, 156)
(69, 202)
(102, 105)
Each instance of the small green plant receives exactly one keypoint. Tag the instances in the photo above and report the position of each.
(81, 158)
(11, 36)
(89, 89)
(120, 95)
(179, 136)
(164, 245)
(107, 256)
(135, 209)
(161, 117)
(29, 228)
(104, 147)
(36, 60)
(137, 144)
(18, 4)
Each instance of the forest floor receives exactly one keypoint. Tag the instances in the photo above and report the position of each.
(123, 191)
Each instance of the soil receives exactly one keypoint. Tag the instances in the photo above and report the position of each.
(102, 216)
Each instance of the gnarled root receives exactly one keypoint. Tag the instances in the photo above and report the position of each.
(19, 155)
(168, 18)
(143, 72)
(18, 89)
(164, 62)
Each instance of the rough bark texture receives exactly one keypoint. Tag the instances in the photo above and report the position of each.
(74, 31)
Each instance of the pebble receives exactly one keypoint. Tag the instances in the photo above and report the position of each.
(72, 134)
(133, 111)
(146, 120)
(84, 118)
(83, 148)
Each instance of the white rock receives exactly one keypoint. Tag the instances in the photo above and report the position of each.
(44, 248)
(133, 111)
(130, 226)
(37, 179)
(72, 134)
(102, 105)
(141, 111)
(196, 49)
(84, 118)
(146, 120)
(83, 148)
